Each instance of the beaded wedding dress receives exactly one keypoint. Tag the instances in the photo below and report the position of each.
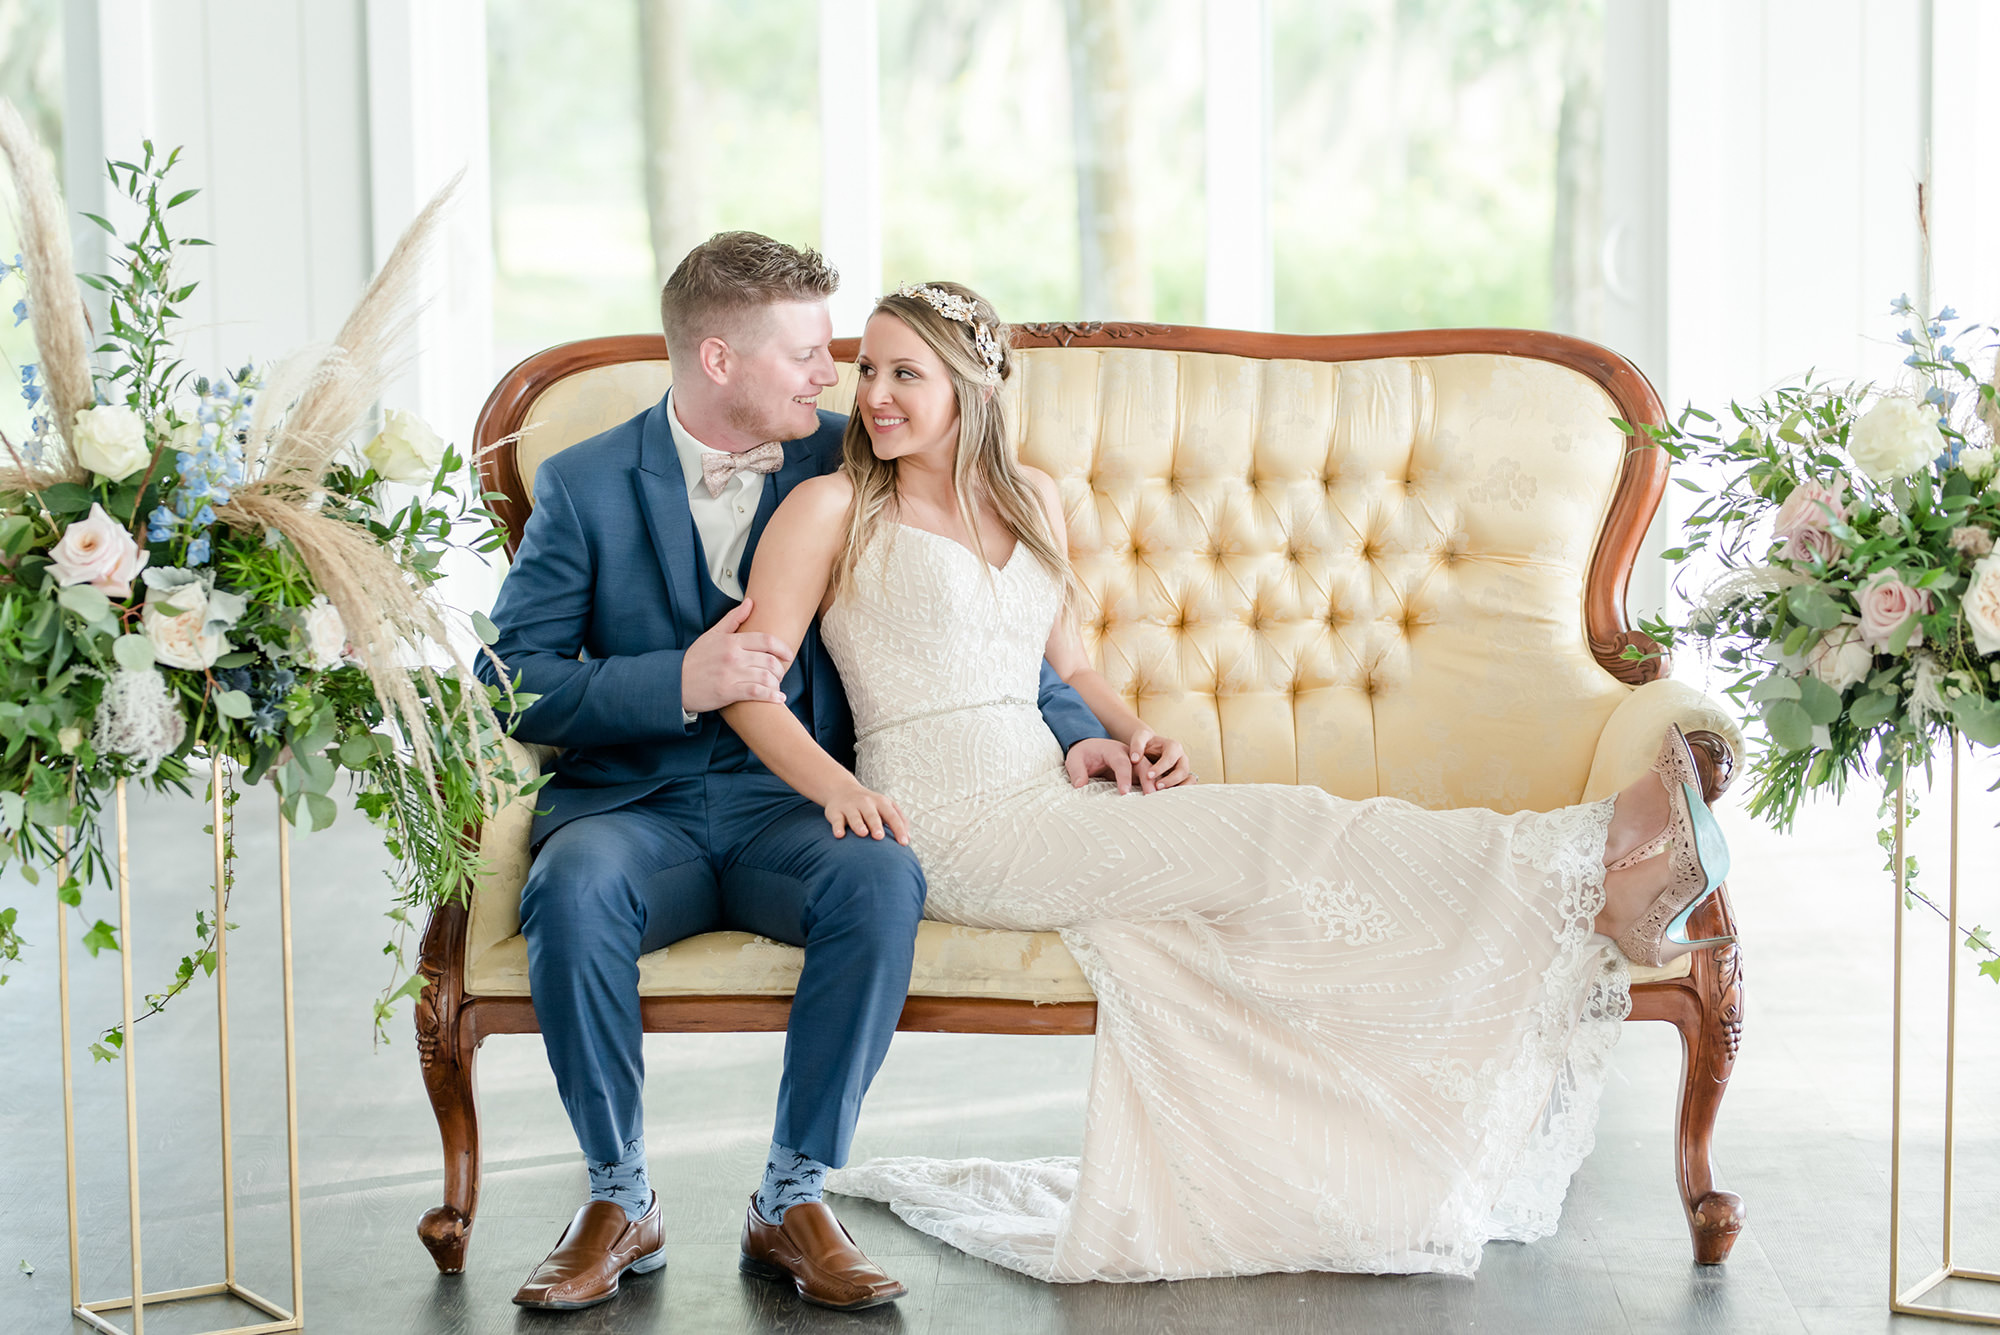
(1331, 1035)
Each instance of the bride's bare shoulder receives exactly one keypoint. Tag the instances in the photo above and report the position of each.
(1044, 485)
(1046, 488)
(819, 499)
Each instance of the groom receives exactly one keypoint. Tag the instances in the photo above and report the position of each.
(621, 614)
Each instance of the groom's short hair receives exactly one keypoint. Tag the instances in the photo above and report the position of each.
(733, 274)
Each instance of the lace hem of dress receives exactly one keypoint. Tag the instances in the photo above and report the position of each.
(1537, 1112)
(1564, 1054)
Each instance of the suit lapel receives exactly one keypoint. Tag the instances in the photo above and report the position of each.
(663, 496)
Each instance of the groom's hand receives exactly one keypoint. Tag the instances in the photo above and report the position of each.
(1158, 762)
(1099, 758)
(725, 666)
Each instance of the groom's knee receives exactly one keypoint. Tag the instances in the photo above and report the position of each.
(873, 891)
(595, 895)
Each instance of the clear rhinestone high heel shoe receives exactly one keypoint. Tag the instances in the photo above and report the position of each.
(1698, 861)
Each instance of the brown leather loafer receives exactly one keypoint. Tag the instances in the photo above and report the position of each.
(597, 1248)
(817, 1256)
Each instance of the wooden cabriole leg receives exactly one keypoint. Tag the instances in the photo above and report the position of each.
(447, 1048)
(1709, 1015)
(1711, 1027)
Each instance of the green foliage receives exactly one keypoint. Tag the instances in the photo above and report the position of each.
(1841, 625)
(277, 699)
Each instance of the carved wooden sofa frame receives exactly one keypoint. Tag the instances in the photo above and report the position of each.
(1705, 1003)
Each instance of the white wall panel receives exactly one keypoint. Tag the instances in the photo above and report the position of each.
(264, 97)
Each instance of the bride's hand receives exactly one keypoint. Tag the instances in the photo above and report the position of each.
(1158, 762)
(865, 812)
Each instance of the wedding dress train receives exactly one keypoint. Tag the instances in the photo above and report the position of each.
(1331, 1035)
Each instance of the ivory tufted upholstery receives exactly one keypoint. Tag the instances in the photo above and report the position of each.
(1369, 575)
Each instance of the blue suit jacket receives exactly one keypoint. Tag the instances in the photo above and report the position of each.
(603, 601)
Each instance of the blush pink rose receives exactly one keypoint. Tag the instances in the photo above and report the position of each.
(1801, 523)
(1886, 603)
(96, 551)
(1814, 544)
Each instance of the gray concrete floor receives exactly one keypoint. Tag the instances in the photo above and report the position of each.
(1803, 1136)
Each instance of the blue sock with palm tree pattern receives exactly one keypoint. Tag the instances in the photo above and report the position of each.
(791, 1177)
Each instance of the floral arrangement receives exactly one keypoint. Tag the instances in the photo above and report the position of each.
(1858, 615)
(207, 566)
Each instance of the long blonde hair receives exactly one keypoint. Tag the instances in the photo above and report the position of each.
(985, 468)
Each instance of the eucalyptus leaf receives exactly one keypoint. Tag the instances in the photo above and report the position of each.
(233, 704)
(236, 659)
(357, 752)
(133, 652)
(1819, 700)
(317, 770)
(1812, 605)
(1871, 709)
(1978, 719)
(483, 624)
(320, 810)
(1777, 687)
(85, 601)
(1789, 725)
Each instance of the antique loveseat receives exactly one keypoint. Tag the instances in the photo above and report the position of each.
(1385, 564)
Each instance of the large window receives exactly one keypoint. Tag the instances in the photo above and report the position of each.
(599, 187)
(30, 78)
(1436, 162)
(1430, 162)
(1046, 153)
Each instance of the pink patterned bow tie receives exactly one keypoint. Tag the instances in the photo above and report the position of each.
(716, 467)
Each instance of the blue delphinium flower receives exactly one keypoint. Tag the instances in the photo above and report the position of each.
(209, 467)
(1948, 313)
(31, 390)
(20, 312)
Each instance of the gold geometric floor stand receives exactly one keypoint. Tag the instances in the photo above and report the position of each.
(1908, 1301)
(282, 1319)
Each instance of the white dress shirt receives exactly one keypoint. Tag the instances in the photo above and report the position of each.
(722, 522)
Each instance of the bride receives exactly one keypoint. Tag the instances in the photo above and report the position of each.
(1331, 1035)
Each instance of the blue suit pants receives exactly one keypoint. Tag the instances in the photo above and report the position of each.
(740, 851)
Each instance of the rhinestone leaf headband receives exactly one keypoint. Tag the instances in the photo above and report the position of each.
(954, 307)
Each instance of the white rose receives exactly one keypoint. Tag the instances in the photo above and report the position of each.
(97, 551)
(1981, 603)
(1978, 464)
(110, 440)
(326, 635)
(406, 450)
(1894, 439)
(187, 618)
(1841, 658)
(177, 624)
